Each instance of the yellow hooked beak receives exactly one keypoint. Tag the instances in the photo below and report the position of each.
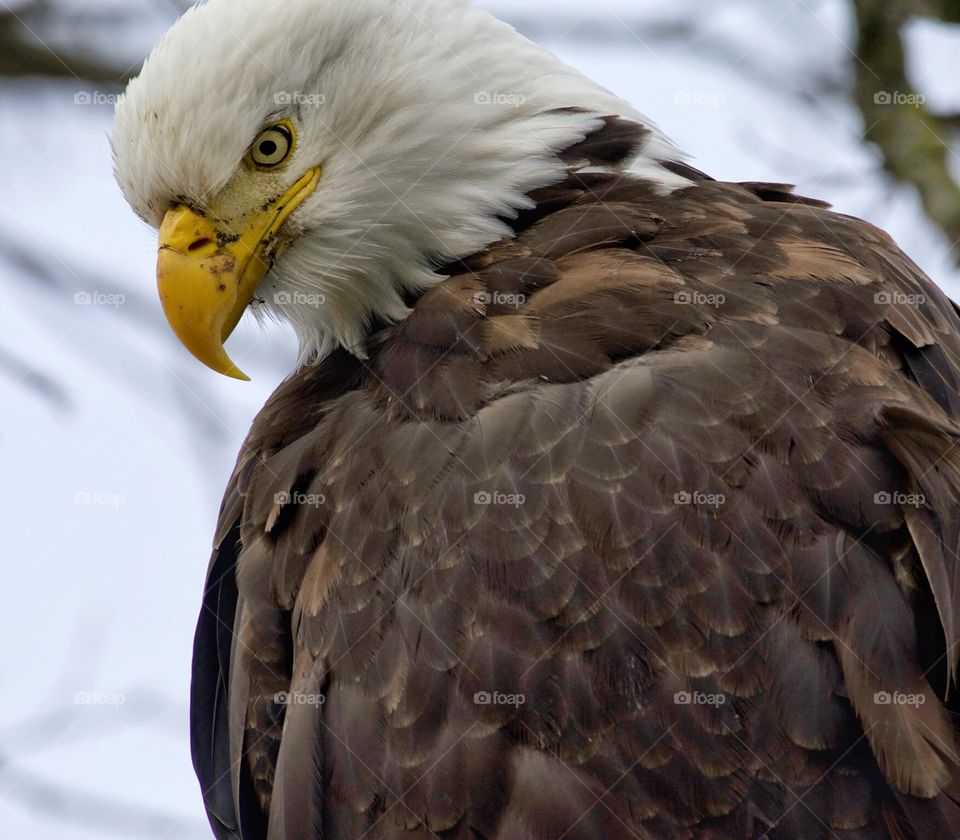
(207, 277)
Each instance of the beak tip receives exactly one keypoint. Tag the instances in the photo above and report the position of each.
(236, 373)
(223, 364)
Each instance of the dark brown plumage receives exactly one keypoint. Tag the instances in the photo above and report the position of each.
(680, 471)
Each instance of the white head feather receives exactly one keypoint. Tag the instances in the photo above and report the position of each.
(430, 119)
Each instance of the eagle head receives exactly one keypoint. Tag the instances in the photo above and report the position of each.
(318, 160)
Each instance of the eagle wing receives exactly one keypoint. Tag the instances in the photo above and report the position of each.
(641, 525)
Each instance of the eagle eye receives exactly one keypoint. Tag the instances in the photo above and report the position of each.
(273, 146)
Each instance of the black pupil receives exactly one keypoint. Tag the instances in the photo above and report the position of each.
(268, 148)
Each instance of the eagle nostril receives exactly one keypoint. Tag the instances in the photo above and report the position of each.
(200, 244)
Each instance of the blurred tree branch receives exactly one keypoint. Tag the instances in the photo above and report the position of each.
(946, 10)
(23, 51)
(914, 141)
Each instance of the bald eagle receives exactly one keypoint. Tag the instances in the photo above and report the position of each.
(606, 500)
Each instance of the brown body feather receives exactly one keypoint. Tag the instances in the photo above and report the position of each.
(654, 449)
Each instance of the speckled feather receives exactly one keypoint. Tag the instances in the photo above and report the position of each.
(642, 449)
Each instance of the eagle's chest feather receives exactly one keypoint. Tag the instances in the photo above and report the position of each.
(631, 457)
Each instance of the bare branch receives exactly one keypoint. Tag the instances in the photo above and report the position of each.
(23, 52)
(913, 141)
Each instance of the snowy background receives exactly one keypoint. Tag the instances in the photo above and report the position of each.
(115, 444)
